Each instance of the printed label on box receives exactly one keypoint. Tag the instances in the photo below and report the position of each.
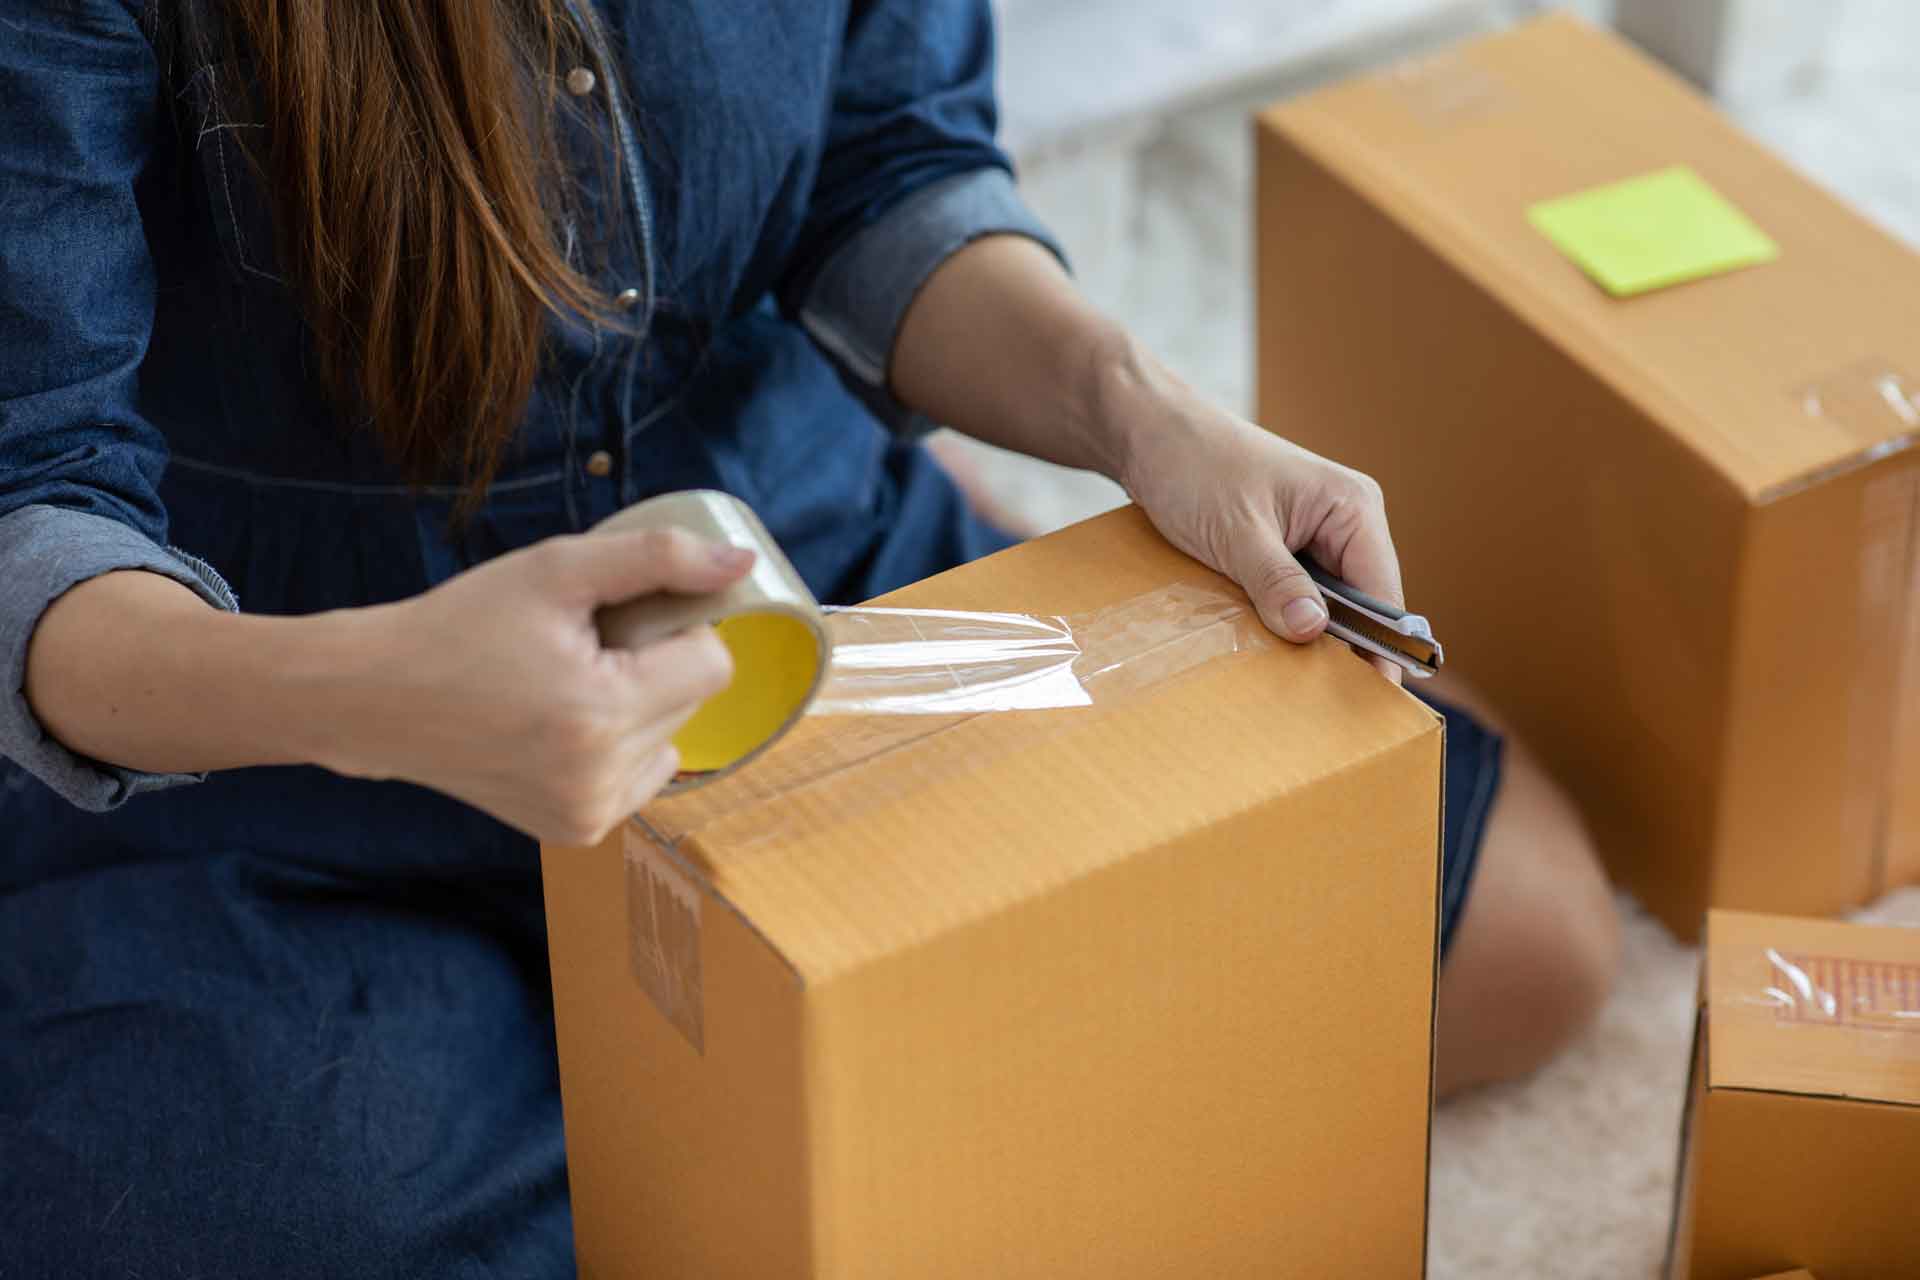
(663, 916)
(1835, 991)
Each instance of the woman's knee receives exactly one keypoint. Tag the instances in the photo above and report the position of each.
(1538, 944)
(1576, 934)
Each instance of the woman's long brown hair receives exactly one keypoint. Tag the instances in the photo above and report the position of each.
(412, 152)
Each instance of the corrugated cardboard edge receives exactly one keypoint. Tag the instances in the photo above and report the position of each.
(1437, 726)
(1351, 161)
(1419, 735)
(668, 852)
(764, 897)
(1433, 1015)
(686, 866)
(1696, 1072)
(1903, 745)
(1700, 1084)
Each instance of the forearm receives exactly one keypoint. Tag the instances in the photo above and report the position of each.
(1001, 345)
(133, 669)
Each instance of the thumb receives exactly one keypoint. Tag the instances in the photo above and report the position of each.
(1285, 595)
(608, 568)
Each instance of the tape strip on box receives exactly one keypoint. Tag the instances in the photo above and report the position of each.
(792, 657)
(1446, 89)
(1877, 403)
(1837, 991)
(896, 703)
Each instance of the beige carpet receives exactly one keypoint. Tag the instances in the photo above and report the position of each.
(1568, 1175)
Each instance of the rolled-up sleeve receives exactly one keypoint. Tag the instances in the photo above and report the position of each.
(910, 174)
(79, 464)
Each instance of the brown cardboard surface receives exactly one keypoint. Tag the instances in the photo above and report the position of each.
(1131, 991)
(1670, 536)
(1803, 1121)
(1813, 1007)
(1903, 819)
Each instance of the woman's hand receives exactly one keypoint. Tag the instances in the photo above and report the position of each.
(494, 687)
(1244, 501)
(999, 344)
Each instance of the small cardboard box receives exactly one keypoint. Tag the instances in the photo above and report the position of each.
(1672, 535)
(1137, 989)
(1802, 1134)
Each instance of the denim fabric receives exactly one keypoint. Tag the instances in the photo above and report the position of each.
(287, 1023)
(1475, 761)
(47, 550)
(857, 302)
(284, 1023)
(798, 158)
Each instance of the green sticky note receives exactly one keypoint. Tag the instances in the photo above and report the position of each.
(1649, 232)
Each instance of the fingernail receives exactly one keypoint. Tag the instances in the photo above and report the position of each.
(1303, 616)
(728, 556)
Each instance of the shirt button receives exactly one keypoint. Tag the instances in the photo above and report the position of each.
(627, 299)
(599, 463)
(580, 81)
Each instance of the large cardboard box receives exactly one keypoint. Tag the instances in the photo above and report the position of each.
(1672, 535)
(1131, 990)
(1802, 1133)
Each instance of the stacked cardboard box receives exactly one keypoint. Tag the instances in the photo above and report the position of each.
(1672, 535)
(1137, 989)
(1802, 1132)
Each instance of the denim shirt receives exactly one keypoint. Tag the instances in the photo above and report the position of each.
(794, 170)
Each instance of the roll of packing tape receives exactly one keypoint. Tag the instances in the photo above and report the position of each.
(768, 620)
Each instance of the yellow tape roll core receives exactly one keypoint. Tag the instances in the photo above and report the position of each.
(768, 620)
(776, 658)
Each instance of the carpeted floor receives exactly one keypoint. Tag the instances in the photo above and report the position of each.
(1568, 1175)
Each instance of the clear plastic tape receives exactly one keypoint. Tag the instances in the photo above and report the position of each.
(1883, 722)
(1876, 404)
(909, 689)
(895, 698)
(1447, 88)
(1872, 400)
(946, 662)
(793, 659)
(942, 662)
(1838, 991)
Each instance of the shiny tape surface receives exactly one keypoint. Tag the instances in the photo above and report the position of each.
(768, 620)
(1119, 652)
(909, 690)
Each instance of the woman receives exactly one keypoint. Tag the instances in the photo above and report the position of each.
(372, 308)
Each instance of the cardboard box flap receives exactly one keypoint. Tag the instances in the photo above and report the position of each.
(1813, 1007)
(851, 840)
(1775, 374)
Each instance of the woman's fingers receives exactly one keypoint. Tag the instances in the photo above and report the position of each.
(592, 569)
(653, 774)
(1352, 539)
(673, 675)
(1283, 592)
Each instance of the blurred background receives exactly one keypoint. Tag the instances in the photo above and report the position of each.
(1128, 119)
(1130, 123)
